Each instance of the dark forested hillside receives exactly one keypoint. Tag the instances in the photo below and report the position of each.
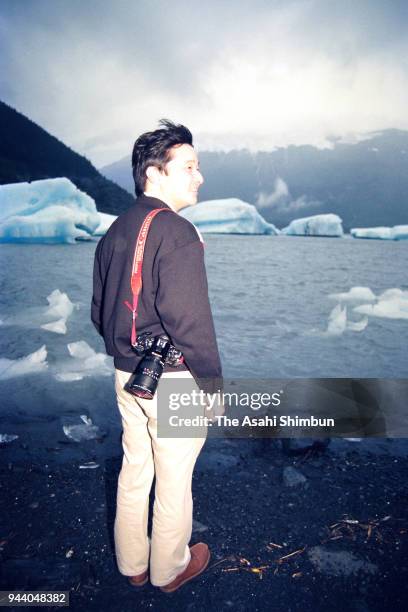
(29, 153)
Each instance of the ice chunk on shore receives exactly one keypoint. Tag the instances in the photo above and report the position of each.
(84, 431)
(6, 438)
(397, 232)
(105, 221)
(84, 362)
(50, 211)
(317, 225)
(228, 216)
(31, 364)
(391, 304)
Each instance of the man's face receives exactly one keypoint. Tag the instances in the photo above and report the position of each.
(181, 179)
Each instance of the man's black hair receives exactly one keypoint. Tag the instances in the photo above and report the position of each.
(153, 149)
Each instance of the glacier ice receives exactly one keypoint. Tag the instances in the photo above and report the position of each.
(228, 216)
(105, 221)
(31, 364)
(5, 438)
(355, 294)
(60, 308)
(397, 232)
(84, 431)
(84, 362)
(49, 210)
(317, 225)
(391, 304)
(371, 232)
(53, 318)
(357, 326)
(337, 321)
(89, 465)
(58, 327)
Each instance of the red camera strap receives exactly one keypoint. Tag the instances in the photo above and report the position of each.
(136, 277)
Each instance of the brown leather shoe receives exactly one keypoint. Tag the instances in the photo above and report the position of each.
(200, 557)
(138, 581)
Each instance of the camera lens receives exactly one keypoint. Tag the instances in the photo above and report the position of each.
(143, 382)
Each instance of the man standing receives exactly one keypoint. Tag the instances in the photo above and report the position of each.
(173, 301)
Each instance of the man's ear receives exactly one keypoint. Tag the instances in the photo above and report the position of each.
(153, 175)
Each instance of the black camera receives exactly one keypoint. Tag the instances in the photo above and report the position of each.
(158, 352)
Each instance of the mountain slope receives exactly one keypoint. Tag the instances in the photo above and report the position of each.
(364, 183)
(28, 153)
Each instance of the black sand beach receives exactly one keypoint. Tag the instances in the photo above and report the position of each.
(336, 539)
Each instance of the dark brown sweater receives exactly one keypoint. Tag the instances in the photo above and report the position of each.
(174, 297)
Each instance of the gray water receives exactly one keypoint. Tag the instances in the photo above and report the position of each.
(269, 300)
(270, 306)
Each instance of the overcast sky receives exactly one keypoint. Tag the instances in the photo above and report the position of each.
(258, 73)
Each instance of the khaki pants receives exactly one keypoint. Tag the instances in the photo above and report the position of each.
(172, 460)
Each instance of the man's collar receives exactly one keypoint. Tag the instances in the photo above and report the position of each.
(152, 202)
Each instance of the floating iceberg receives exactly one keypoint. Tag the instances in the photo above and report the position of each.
(60, 308)
(357, 326)
(355, 294)
(228, 216)
(50, 211)
(105, 221)
(318, 225)
(391, 304)
(53, 318)
(31, 364)
(84, 362)
(338, 322)
(397, 232)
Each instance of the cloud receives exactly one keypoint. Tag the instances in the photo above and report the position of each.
(265, 200)
(281, 200)
(249, 74)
